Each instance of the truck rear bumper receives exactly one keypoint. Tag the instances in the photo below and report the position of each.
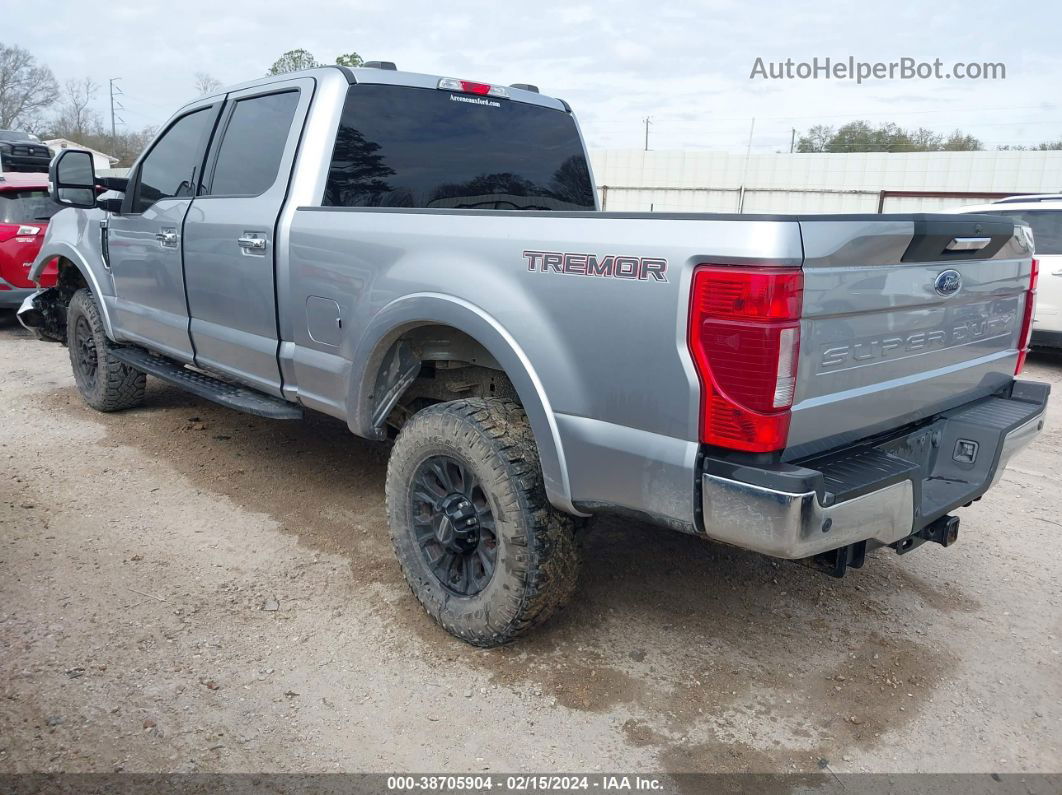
(882, 490)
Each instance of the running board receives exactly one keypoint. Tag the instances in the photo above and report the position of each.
(202, 385)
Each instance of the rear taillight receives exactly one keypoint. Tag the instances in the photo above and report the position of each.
(1025, 339)
(8, 231)
(744, 338)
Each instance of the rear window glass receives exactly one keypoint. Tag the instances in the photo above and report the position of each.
(1046, 226)
(22, 206)
(253, 146)
(416, 147)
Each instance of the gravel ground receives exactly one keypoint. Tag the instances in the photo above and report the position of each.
(185, 588)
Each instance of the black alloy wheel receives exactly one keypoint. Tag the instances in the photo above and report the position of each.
(85, 357)
(453, 525)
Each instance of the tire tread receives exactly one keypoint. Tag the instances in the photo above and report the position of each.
(548, 556)
(118, 386)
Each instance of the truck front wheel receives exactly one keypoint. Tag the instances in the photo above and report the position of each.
(481, 547)
(105, 383)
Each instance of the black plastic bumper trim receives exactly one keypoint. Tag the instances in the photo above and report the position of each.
(873, 464)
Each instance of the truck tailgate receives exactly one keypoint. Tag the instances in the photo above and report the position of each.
(897, 326)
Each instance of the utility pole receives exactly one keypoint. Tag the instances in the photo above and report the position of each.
(115, 90)
(792, 141)
(647, 120)
(745, 170)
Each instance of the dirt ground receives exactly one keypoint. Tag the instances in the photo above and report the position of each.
(185, 588)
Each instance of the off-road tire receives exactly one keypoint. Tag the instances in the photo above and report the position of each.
(115, 385)
(537, 561)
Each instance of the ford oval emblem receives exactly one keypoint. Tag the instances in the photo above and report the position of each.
(947, 283)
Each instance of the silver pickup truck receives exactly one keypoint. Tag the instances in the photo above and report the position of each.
(423, 257)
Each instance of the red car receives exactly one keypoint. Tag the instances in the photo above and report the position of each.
(25, 209)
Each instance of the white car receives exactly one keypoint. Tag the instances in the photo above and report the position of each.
(1044, 214)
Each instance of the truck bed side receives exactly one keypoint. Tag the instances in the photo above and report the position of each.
(607, 355)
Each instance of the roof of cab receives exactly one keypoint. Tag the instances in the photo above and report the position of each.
(995, 208)
(1030, 198)
(384, 77)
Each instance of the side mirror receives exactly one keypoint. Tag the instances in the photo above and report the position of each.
(113, 206)
(72, 179)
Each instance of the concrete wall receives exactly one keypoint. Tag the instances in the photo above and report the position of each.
(813, 183)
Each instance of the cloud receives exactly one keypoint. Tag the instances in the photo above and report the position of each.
(686, 65)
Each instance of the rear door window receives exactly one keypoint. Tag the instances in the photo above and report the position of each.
(417, 147)
(23, 206)
(253, 145)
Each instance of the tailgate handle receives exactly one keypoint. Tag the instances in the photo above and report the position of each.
(967, 243)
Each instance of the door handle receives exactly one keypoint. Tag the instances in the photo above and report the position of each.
(1057, 273)
(251, 242)
(167, 237)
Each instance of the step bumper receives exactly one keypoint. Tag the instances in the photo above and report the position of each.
(881, 491)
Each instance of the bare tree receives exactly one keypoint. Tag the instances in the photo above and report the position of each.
(206, 83)
(816, 139)
(76, 118)
(128, 146)
(26, 88)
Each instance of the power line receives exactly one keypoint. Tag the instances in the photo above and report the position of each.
(701, 127)
(872, 113)
(140, 100)
(115, 92)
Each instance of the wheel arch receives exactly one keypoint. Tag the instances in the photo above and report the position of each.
(429, 309)
(71, 259)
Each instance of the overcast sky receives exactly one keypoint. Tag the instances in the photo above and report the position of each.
(685, 65)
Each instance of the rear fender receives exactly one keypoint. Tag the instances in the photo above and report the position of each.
(419, 309)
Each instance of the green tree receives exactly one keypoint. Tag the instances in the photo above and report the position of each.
(293, 61)
(860, 136)
(923, 140)
(961, 142)
(1046, 146)
(351, 59)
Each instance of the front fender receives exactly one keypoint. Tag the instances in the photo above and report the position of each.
(101, 289)
(435, 308)
(74, 235)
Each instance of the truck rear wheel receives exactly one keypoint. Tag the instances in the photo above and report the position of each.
(481, 547)
(105, 383)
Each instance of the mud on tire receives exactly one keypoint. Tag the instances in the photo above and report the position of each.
(475, 461)
(105, 383)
